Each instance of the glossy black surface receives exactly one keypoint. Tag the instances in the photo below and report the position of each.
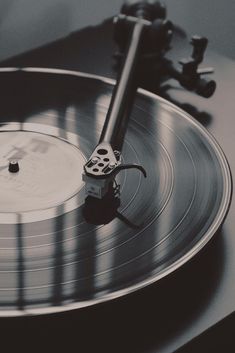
(64, 262)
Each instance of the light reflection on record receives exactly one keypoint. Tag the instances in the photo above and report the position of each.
(61, 262)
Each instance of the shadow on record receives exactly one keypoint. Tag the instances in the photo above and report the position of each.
(139, 322)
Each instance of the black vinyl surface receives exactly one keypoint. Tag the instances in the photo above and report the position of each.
(65, 261)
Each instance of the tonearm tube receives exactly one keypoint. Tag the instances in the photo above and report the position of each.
(142, 32)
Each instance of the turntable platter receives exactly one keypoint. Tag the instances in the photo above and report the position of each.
(51, 258)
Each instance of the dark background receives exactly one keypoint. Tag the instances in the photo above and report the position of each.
(28, 24)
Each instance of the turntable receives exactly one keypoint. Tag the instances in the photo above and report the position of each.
(108, 193)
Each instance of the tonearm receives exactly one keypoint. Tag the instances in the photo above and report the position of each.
(143, 35)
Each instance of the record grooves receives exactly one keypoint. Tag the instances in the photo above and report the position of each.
(52, 259)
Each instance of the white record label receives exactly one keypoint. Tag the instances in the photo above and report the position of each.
(50, 171)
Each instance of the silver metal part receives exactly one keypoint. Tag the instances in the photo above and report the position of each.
(99, 171)
(96, 187)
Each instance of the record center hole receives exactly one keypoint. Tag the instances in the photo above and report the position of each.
(102, 151)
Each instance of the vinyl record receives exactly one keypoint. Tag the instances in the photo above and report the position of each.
(57, 255)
